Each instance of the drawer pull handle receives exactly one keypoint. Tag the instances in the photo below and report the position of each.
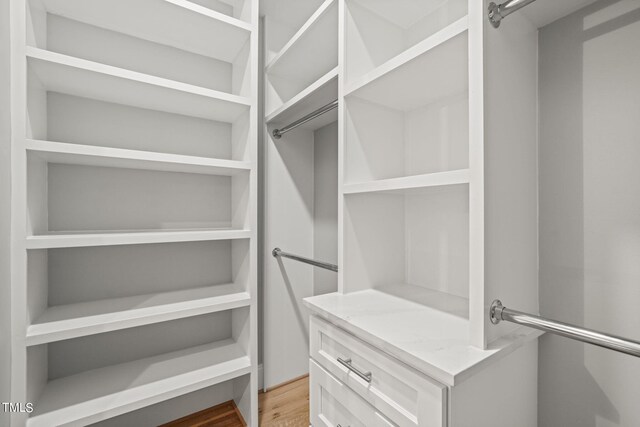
(347, 364)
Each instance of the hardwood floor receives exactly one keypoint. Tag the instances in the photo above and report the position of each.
(223, 415)
(284, 406)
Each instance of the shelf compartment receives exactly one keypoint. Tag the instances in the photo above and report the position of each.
(109, 391)
(75, 320)
(415, 182)
(294, 68)
(443, 36)
(77, 154)
(79, 77)
(395, 128)
(180, 24)
(318, 94)
(87, 203)
(376, 31)
(427, 230)
(132, 238)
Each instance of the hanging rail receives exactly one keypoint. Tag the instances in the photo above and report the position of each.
(498, 312)
(277, 133)
(497, 12)
(277, 252)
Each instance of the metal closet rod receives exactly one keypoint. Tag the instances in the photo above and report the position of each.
(277, 252)
(497, 12)
(277, 133)
(498, 312)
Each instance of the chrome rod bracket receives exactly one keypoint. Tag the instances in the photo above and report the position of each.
(495, 311)
(497, 12)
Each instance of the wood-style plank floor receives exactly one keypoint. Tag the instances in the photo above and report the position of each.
(223, 415)
(286, 405)
(283, 406)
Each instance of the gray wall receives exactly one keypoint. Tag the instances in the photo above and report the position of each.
(5, 213)
(325, 207)
(590, 212)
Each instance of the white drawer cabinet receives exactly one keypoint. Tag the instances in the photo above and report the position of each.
(334, 404)
(403, 395)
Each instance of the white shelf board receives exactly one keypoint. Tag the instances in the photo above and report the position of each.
(177, 23)
(99, 394)
(440, 62)
(313, 48)
(109, 238)
(75, 320)
(318, 94)
(88, 79)
(416, 182)
(426, 329)
(77, 154)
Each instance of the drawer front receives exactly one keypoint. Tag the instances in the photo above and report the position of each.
(402, 394)
(334, 404)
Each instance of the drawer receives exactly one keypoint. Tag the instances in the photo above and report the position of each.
(401, 393)
(333, 404)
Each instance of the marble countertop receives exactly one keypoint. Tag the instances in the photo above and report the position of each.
(425, 329)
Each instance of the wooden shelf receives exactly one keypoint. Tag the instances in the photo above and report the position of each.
(76, 154)
(313, 50)
(177, 23)
(393, 83)
(92, 238)
(75, 320)
(319, 93)
(98, 394)
(79, 77)
(417, 182)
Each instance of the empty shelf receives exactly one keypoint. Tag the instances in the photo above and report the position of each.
(313, 50)
(99, 394)
(177, 23)
(393, 83)
(76, 154)
(416, 182)
(88, 79)
(72, 240)
(75, 320)
(319, 93)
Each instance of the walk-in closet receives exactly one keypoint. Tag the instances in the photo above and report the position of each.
(277, 213)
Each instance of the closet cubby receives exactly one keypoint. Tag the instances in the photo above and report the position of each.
(282, 21)
(410, 121)
(74, 292)
(185, 42)
(72, 198)
(377, 31)
(306, 61)
(417, 237)
(91, 378)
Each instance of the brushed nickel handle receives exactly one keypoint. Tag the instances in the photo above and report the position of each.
(347, 364)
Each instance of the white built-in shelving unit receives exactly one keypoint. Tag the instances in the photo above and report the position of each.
(134, 132)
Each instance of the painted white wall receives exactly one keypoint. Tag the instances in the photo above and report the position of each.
(5, 212)
(590, 212)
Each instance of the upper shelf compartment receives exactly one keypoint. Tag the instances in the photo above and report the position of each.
(182, 24)
(183, 42)
(410, 116)
(87, 79)
(378, 30)
(307, 57)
